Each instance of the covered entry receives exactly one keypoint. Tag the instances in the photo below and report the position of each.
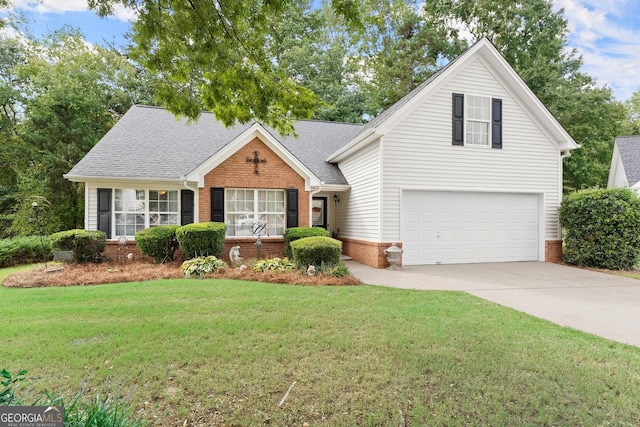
(448, 227)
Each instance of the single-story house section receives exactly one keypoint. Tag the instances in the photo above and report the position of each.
(625, 163)
(466, 168)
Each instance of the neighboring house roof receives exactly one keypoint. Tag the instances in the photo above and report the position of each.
(504, 72)
(628, 148)
(150, 143)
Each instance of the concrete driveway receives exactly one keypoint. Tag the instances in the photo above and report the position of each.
(598, 303)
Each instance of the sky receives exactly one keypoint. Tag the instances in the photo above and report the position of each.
(605, 32)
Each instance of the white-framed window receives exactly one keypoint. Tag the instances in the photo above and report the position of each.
(478, 120)
(137, 209)
(163, 207)
(248, 209)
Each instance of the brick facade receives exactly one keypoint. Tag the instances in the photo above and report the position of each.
(236, 172)
(553, 251)
(115, 252)
(367, 253)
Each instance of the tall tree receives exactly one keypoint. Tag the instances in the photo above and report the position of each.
(217, 54)
(399, 50)
(533, 39)
(631, 125)
(12, 54)
(315, 49)
(75, 93)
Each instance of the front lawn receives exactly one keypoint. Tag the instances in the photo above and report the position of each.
(225, 352)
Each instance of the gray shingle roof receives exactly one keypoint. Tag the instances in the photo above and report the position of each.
(629, 148)
(150, 143)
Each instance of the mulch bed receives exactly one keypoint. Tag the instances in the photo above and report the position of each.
(138, 271)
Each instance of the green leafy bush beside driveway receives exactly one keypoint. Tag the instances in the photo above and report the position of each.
(602, 228)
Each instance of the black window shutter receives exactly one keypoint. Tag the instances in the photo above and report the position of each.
(292, 208)
(186, 207)
(458, 119)
(104, 211)
(217, 204)
(496, 123)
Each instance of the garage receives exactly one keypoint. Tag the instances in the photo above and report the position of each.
(449, 227)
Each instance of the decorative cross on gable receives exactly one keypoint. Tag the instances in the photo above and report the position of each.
(256, 160)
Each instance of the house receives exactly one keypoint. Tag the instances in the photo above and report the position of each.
(625, 163)
(466, 168)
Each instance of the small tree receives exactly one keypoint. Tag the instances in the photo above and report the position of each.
(602, 228)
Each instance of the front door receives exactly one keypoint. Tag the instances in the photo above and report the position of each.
(319, 212)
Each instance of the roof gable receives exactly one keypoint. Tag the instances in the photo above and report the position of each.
(484, 51)
(256, 130)
(629, 152)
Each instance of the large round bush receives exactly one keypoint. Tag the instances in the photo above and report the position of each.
(202, 239)
(296, 233)
(159, 242)
(601, 228)
(317, 250)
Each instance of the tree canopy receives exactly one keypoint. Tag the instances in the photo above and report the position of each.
(217, 55)
(59, 97)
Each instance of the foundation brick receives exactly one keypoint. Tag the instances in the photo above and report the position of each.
(553, 251)
(367, 253)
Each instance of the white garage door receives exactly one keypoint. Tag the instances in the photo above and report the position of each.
(468, 227)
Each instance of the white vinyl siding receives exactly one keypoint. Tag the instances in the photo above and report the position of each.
(359, 209)
(418, 153)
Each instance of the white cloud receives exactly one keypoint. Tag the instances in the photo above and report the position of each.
(51, 6)
(62, 6)
(606, 35)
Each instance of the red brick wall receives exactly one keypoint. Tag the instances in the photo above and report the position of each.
(236, 172)
(271, 247)
(368, 253)
(553, 251)
(114, 252)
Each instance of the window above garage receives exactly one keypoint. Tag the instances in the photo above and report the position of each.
(477, 121)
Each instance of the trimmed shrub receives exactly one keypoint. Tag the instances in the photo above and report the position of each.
(87, 245)
(318, 250)
(602, 228)
(24, 250)
(296, 233)
(159, 243)
(202, 239)
(202, 265)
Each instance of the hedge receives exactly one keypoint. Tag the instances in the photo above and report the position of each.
(24, 250)
(601, 228)
(202, 239)
(296, 233)
(159, 242)
(318, 250)
(87, 245)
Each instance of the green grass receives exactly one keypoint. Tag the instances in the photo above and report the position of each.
(225, 352)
